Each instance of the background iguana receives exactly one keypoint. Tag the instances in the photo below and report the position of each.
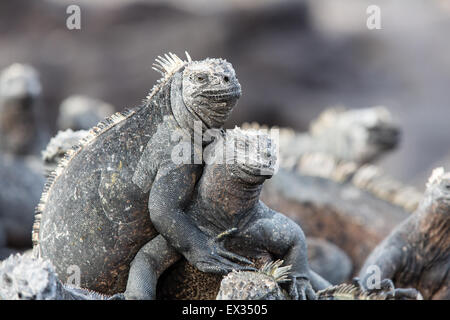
(358, 135)
(23, 277)
(21, 131)
(331, 185)
(21, 135)
(79, 112)
(98, 197)
(265, 285)
(417, 252)
(340, 145)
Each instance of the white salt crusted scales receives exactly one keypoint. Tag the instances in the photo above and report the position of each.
(167, 66)
(437, 176)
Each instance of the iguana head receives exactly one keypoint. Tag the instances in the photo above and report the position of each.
(19, 90)
(237, 164)
(19, 81)
(254, 158)
(210, 90)
(361, 134)
(239, 156)
(207, 89)
(25, 278)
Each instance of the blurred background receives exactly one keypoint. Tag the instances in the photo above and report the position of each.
(293, 59)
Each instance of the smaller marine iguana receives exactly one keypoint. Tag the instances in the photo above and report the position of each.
(226, 206)
(417, 252)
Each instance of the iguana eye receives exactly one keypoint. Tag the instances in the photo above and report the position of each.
(201, 77)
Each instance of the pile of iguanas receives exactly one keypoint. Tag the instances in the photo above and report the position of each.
(144, 206)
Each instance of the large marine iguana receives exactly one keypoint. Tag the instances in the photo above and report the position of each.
(104, 190)
(226, 202)
(417, 252)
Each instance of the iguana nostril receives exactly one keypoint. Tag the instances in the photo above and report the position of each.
(226, 78)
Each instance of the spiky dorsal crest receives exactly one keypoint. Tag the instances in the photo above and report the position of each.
(436, 177)
(274, 269)
(93, 133)
(167, 66)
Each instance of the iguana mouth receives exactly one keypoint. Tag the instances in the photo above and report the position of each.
(222, 95)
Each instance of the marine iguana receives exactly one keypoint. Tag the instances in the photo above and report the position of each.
(265, 285)
(340, 145)
(317, 187)
(21, 132)
(417, 252)
(23, 277)
(103, 192)
(355, 291)
(58, 146)
(20, 188)
(226, 206)
(358, 135)
(79, 112)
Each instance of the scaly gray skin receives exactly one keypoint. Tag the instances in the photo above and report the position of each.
(23, 277)
(20, 130)
(417, 252)
(79, 112)
(102, 194)
(226, 206)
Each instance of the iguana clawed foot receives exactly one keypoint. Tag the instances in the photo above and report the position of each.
(212, 257)
(392, 293)
(301, 289)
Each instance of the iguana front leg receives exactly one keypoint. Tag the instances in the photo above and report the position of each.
(387, 259)
(285, 240)
(170, 194)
